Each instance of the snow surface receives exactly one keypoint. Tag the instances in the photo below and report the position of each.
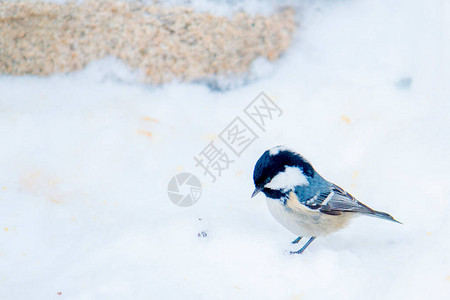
(86, 158)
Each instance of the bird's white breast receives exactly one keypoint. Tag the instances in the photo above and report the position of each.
(303, 221)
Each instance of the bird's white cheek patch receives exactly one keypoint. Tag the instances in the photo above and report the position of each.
(290, 178)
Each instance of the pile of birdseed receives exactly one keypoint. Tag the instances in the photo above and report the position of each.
(165, 43)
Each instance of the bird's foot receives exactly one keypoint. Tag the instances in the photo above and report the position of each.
(297, 240)
(304, 247)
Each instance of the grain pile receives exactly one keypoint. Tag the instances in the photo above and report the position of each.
(42, 38)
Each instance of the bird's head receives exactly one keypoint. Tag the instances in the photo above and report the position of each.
(279, 170)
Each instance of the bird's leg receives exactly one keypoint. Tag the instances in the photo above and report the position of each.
(297, 240)
(305, 246)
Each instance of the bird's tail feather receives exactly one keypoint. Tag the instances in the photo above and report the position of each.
(382, 215)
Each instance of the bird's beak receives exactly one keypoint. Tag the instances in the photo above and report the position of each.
(256, 191)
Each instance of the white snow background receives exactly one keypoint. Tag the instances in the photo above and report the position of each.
(85, 160)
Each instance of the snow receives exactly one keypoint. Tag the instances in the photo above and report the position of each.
(86, 158)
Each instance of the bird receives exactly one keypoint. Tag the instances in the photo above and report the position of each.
(301, 199)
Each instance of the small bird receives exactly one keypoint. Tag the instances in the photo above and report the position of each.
(302, 200)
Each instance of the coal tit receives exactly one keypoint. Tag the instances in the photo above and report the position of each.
(302, 200)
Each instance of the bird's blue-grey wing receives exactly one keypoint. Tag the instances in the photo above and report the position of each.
(341, 201)
(334, 200)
